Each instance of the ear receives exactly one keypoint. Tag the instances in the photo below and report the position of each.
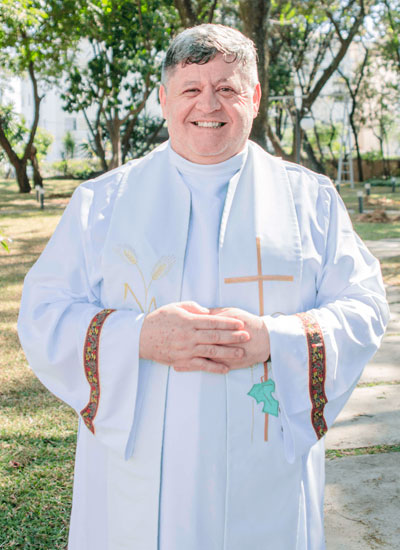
(162, 94)
(256, 99)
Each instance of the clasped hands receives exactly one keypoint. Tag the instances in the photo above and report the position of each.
(190, 337)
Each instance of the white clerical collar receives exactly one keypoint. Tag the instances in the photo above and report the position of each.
(220, 171)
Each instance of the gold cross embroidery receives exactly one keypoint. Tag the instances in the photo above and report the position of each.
(260, 278)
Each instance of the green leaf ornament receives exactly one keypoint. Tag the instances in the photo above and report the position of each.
(263, 393)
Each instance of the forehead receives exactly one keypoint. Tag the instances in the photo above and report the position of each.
(215, 71)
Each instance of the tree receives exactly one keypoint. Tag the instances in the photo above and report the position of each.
(353, 86)
(195, 12)
(389, 13)
(41, 144)
(17, 134)
(379, 100)
(34, 39)
(313, 38)
(126, 39)
(255, 17)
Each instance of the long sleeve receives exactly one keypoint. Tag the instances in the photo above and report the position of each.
(62, 317)
(318, 355)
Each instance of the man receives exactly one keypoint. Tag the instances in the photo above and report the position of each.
(207, 310)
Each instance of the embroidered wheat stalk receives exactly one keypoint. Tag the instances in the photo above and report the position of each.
(130, 256)
(160, 269)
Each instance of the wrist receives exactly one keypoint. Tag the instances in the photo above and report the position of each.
(144, 348)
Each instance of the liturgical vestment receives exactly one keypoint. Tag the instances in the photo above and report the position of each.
(285, 249)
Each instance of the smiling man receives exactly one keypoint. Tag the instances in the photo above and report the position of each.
(207, 310)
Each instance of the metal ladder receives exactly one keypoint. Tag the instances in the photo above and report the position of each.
(345, 172)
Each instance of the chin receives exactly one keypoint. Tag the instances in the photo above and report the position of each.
(208, 152)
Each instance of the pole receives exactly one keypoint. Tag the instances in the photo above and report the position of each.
(41, 197)
(360, 202)
(298, 130)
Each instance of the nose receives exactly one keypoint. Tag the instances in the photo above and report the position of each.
(208, 101)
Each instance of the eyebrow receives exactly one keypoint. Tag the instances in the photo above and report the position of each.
(196, 82)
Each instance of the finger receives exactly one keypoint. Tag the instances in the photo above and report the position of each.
(218, 310)
(221, 336)
(193, 307)
(220, 353)
(213, 322)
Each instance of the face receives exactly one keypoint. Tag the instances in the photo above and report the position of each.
(209, 109)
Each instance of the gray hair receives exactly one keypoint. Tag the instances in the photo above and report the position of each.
(202, 43)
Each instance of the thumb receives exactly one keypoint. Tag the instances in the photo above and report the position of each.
(193, 307)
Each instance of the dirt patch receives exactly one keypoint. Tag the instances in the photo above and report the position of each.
(377, 216)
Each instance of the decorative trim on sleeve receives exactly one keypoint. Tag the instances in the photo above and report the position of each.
(317, 372)
(91, 366)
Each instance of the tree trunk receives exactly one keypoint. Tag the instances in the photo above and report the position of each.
(358, 153)
(37, 177)
(97, 144)
(255, 17)
(114, 129)
(276, 143)
(316, 165)
(18, 164)
(186, 13)
(22, 177)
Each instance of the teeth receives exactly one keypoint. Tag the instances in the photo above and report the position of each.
(209, 124)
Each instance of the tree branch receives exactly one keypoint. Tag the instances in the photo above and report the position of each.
(328, 72)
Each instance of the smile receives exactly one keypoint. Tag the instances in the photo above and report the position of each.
(209, 124)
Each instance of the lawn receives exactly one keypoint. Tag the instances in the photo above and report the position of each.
(37, 431)
(381, 198)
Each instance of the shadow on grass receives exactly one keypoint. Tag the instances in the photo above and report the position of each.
(8, 315)
(28, 395)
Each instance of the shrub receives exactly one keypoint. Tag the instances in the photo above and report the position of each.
(76, 168)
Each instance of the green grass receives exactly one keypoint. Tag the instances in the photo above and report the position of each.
(375, 231)
(380, 198)
(378, 383)
(376, 449)
(37, 431)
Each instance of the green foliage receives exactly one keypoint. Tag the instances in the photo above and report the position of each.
(14, 127)
(82, 169)
(17, 133)
(388, 17)
(69, 144)
(4, 242)
(328, 138)
(371, 156)
(42, 142)
(126, 39)
(39, 34)
(36, 38)
(142, 139)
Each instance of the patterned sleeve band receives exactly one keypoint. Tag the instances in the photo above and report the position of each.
(317, 372)
(91, 366)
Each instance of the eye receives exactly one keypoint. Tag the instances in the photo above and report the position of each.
(191, 91)
(226, 90)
